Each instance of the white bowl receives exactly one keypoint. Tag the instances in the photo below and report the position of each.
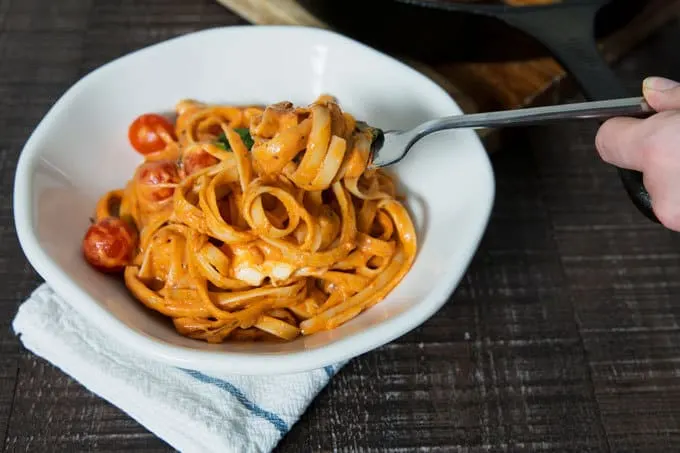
(80, 150)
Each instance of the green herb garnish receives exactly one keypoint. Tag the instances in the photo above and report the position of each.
(243, 132)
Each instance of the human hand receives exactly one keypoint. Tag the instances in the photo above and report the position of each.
(651, 146)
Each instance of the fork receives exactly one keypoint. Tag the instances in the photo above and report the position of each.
(390, 147)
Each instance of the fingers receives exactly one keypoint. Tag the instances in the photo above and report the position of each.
(661, 94)
(662, 159)
(650, 146)
(621, 141)
(663, 184)
(618, 142)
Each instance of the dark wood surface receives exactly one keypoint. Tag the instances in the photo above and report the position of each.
(496, 85)
(563, 336)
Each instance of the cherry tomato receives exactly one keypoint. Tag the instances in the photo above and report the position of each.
(109, 244)
(196, 160)
(161, 173)
(147, 131)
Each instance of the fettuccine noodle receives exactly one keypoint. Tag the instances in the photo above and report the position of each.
(250, 223)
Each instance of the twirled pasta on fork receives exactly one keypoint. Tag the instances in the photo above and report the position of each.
(250, 223)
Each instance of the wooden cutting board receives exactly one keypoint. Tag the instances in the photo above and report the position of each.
(485, 86)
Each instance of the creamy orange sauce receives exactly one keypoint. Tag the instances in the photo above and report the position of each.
(263, 223)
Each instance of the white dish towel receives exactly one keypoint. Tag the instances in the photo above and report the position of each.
(191, 411)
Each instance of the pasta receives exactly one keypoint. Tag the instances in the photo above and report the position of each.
(252, 223)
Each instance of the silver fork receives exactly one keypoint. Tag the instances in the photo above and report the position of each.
(389, 147)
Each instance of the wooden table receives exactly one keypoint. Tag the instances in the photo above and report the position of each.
(564, 335)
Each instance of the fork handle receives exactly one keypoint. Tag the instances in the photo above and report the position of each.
(390, 147)
(634, 106)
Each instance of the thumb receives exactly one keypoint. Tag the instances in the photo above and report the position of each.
(661, 94)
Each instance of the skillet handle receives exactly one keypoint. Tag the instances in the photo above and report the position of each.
(568, 32)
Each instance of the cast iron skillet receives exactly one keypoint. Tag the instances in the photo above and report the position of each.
(566, 30)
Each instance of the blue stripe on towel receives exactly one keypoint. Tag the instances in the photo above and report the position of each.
(330, 371)
(256, 410)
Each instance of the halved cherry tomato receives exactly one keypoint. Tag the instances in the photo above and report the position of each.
(109, 244)
(158, 178)
(147, 131)
(196, 160)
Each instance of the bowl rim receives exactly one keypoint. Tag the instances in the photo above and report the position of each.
(334, 352)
